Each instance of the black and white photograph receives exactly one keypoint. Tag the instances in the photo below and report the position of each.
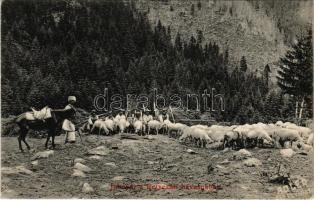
(157, 99)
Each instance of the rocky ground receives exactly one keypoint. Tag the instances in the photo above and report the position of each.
(90, 170)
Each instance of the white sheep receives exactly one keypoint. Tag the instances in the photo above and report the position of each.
(109, 124)
(254, 134)
(101, 126)
(166, 123)
(160, 118)
(217, 134)
(279, 123)
(258, 135)
(176, 127)
(138, 126)
(310, 140)
(199, 136)
(304, 132)
(201, 126)
(122, 124)
(285, 134)
(155, 125)
(231, 139)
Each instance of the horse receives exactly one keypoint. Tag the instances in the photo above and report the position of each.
(52, 124)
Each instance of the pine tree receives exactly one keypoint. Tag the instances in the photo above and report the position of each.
(266, 75)
(178, 42)
(243, 65)
(192, 10)
(296, 72)
(199, 5)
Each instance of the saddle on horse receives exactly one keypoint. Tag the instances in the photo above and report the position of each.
(42, 114)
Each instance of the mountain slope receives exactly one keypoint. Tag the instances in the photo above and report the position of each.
(259, 30)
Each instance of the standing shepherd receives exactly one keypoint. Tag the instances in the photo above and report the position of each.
(68, 125)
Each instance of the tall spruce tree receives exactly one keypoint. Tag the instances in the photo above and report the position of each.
(295, 75)
(243, 64)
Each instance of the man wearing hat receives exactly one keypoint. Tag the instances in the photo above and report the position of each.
(68, 125)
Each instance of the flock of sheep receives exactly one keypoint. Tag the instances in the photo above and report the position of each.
(215, 136)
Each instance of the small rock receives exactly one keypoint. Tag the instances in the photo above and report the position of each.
(43, 154)
(106, 186)
(79, 160)
(95, 157)
(245, 152)
(149, 137)
(287, 153)
(226, 173)
(215, 156)
(225, 150)
(150, 162)
(78, 173)
(111, 164)
(114, 146)
(252, 162)
(34, 163)
(181, 194)
(118, 178)
(91, 139)
(224, 162)
(23, 170)
(220, 167)
(87, 188)
(101, 151)
(270, 189)
(16, 170)
(244, 187)
(191, 151)
(241, 154)
(82, 167)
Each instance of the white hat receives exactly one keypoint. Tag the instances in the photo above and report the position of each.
(72, 98)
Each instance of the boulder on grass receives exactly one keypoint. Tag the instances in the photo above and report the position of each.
(87, 188)
(287, 153)
(252, 162)
(82, 167)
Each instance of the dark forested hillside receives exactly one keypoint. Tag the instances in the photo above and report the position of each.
(52, 49)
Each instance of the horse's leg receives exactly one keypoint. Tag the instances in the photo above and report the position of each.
(53, 135)
(23, 132)
(20, 143)
(48, 138)
(23, 139)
